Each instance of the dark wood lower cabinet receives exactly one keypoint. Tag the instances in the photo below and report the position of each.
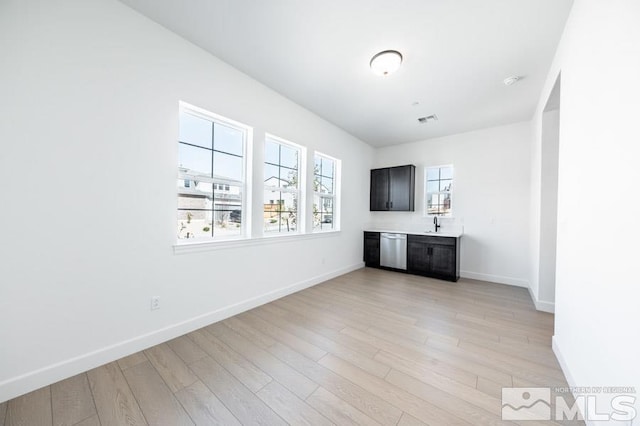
(372, 249)
(437, 257)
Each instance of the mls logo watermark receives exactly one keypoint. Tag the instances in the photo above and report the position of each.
(569, 404)
(526, 404)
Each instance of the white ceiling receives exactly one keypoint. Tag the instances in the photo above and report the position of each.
(316, 53)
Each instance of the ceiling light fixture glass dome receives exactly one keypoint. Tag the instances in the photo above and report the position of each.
(386, 62)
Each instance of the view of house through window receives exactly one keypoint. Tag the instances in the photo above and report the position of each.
(324, 188)
(211, 163)
(282, 207)
(438, 190)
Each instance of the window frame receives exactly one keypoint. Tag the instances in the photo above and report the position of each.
(247, 137)
(334, 195)
(449, 192)
(299, 192)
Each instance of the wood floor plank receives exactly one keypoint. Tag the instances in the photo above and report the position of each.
(311, 335)
(241, 368)
(156, 401)
(291, 408)
(204, 407)
(33, 408)
(489, 387)
(287, 376)
(456, 404)
(337, 410)
(114, 400)
(455, 359)
(323, 334)
(305, 348)
(71, 400)
(509, 365)
(3, 412)
(394, 395)
(131, 360)
(172, 369)
(365, 401)
(409, 420)
(186, 349)
(253, 335)
(91, 421)
(418, 356)
(243, 403)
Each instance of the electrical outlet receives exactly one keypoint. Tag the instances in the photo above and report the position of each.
(155, 302)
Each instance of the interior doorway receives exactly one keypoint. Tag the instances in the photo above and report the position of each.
(549, 195)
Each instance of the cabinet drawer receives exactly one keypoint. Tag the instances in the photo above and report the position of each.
(424, 239)
(372, 235)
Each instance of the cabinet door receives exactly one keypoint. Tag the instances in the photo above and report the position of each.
(443, 260)
(372, 248)
(401, 188)
(379, 192)
(417, 257)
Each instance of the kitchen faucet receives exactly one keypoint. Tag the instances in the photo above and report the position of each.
(435, 223)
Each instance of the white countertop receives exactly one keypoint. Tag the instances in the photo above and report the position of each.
(454, 234)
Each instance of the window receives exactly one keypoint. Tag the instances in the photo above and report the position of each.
(438, 190)
(282, 195)
(324, 192)
(211, 176)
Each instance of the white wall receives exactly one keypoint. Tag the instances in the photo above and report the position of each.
(597, 286)
(490, 198)
(89, 109)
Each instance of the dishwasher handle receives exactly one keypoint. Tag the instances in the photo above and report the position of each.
(390, 236)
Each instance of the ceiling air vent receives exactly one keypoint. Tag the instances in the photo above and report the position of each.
(427, 119)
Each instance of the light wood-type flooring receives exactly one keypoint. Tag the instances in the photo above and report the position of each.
(370, 347)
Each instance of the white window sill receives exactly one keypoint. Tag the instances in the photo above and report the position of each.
(201, 246)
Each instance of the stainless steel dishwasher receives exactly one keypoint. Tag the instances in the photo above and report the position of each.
(393, 250)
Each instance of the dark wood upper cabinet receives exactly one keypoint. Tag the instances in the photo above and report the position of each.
(393, 189)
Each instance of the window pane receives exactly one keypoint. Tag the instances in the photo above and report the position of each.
(271, 175)
(432, 186)
(446, 173)
(193, 202)
(322, 212)
(327, 167)
(194, 224)
(228, 222)
(227, 139)
(317, 165)
(227, 166)
(280, 212)
(445, 185)
(288, 157)
(193, 160)
(327, 186)
(289, 178)
(433, 173)
(195, 130)
(271, 152)
(273, 201)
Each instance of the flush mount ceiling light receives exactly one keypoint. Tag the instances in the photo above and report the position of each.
(386, 62)
(511, 80)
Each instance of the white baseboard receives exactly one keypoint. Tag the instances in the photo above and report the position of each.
(33, 380)
(495, 278)
(542, 305)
